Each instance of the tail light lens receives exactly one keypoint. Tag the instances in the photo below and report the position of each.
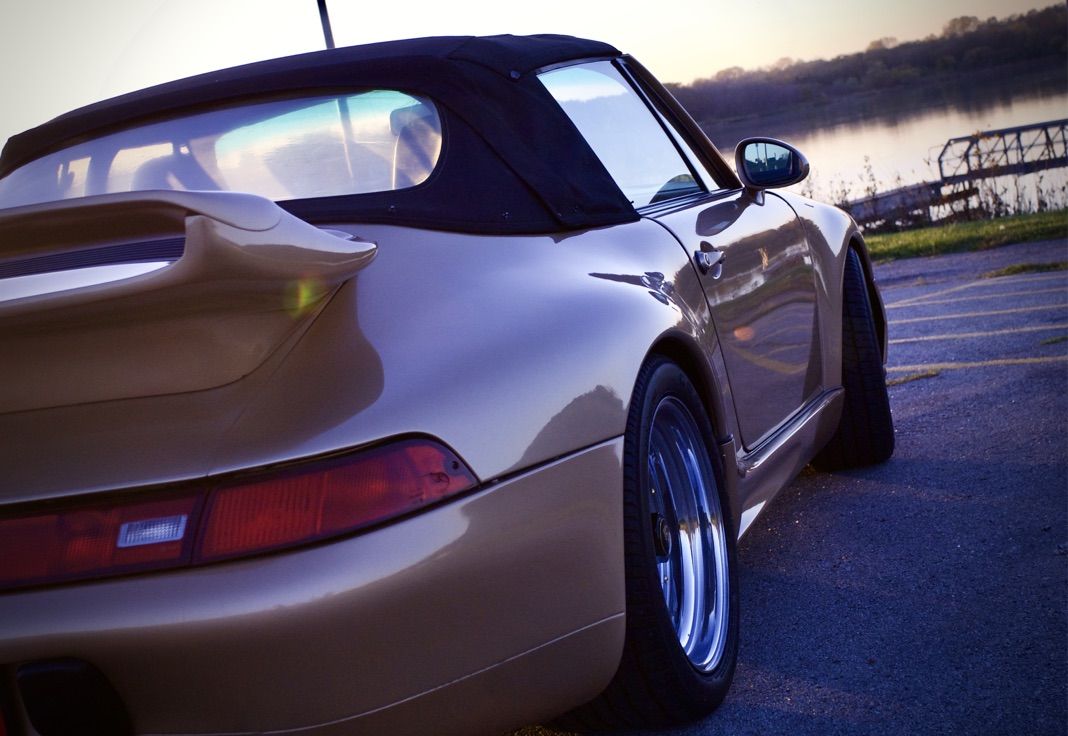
(304, 506)
(295, 506)
(89, 541)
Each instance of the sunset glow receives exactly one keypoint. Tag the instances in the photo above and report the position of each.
(60, 54)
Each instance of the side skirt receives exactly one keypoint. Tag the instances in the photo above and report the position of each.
(763, 471)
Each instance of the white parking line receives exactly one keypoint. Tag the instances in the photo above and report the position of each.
(978, 296)
(953, 289)
(977, 364)
(961, 315)
(966, 335)
(1000, 281)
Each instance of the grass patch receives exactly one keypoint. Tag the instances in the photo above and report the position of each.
(912, 377)
(1054, 340)
(1018, 268)
(964, 236)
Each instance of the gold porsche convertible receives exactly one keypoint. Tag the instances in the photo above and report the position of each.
(421, 387)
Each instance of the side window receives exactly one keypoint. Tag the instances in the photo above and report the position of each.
(622, 131)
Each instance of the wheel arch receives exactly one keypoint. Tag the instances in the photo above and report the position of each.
(714, 392)
(689, 357)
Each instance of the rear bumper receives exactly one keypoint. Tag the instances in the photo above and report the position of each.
(429, 625)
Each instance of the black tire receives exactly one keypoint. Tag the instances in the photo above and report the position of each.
(659, 683)
(865, 434)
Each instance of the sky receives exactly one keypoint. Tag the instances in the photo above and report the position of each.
(56, 55)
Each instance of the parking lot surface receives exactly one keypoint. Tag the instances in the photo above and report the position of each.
(927, 595)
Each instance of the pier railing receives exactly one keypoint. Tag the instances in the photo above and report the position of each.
(1023, 149)
(963, 162)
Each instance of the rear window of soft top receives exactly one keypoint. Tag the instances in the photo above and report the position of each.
(282, 149)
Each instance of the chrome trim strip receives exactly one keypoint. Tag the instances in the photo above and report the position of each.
(751, 461)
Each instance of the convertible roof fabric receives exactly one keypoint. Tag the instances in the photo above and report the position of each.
(511, 162)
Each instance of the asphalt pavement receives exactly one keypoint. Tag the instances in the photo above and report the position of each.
(927, 595)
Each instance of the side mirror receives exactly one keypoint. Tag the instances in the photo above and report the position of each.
(766, 163)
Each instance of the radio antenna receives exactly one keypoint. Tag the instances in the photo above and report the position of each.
(324, 16)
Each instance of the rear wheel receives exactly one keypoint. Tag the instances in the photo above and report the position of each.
(865, 433)
(682, 603)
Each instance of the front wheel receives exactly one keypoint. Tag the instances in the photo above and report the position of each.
(682, 602)
(865, 433)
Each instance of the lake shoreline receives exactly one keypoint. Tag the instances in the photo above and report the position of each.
(855, 156)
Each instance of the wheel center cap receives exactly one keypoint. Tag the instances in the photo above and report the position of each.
(661, 536)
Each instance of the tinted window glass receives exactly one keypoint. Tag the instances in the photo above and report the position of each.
(283, 149)
(622, 131)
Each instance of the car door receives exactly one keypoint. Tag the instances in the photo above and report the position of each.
(749, 248)
(756, 270)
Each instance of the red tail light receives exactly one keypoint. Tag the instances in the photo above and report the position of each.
(304, 506)
(296, 506)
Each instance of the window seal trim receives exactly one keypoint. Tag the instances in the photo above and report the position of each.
(667, 206)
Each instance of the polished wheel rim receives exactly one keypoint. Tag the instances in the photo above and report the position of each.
(688, 533)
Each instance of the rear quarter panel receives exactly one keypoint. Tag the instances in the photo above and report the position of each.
(513, 350)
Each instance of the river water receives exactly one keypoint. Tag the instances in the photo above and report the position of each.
(905, 150)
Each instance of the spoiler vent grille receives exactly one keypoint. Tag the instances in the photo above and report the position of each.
(164, 249)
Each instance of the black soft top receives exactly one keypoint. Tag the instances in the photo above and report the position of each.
(511, 160)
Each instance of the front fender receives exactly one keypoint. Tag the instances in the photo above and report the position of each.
(830, 233)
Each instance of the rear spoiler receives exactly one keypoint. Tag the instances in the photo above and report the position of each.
(249, 276)
(255, 231)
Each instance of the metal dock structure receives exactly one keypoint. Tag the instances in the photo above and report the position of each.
(963, 163)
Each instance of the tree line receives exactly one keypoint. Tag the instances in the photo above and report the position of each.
(1027, 50)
